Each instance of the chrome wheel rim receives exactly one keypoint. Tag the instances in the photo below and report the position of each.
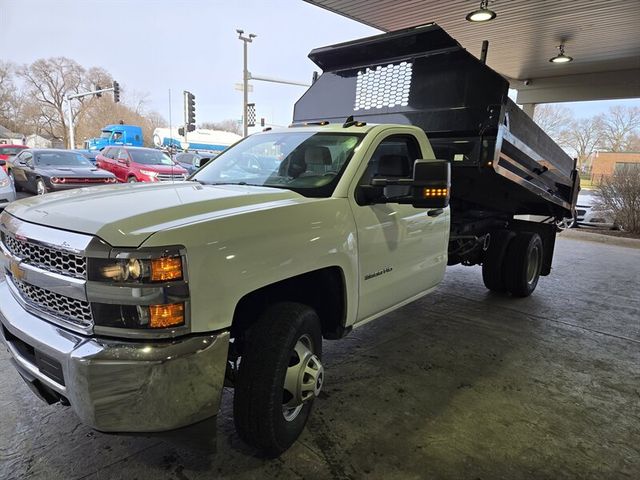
(533, 264)
(303, 380)
(41, 188)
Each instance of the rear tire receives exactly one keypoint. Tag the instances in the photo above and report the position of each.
(265, 414)
(523, 263)
(492, 264)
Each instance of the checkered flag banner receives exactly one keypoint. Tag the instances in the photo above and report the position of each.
(251, 114)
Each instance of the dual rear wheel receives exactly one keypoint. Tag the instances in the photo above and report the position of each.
(513, 262)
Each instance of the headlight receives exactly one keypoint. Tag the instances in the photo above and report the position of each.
(140, 289)
(149, 173)
(138, 270)
(4, 182)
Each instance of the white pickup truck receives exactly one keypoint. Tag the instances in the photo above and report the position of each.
(135, 304)
(124, 301)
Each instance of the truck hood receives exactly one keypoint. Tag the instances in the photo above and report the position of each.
(126, 215)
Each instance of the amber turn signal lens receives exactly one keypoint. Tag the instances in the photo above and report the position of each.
(163, 316)
(166, 268)
(434, 192)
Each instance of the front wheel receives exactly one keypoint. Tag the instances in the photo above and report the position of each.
(132, 180)
(280, 374)
(41, 188)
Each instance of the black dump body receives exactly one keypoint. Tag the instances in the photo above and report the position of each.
(502, 162)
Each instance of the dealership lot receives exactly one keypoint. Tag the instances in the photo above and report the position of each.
(461, 384)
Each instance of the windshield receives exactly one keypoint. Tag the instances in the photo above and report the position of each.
(70, 159)
(309, 163)
(105, 134)
(150, 157)
(11, 150)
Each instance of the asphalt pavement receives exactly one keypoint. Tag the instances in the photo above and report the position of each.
(463, 384)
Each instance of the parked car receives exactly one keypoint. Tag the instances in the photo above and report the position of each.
(7, 151)
(589, 214)
(7, 190)
(139, 164)
(89, 154)
(45, 170)
(192, 161)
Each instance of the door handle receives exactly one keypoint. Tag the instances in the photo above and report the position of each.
(436, 212)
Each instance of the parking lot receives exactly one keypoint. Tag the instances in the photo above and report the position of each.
(461, 384)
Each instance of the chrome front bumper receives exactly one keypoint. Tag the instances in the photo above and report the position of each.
(114, 385)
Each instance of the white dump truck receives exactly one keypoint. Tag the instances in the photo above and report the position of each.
(138, 316)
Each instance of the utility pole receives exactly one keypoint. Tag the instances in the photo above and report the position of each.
(245, 80)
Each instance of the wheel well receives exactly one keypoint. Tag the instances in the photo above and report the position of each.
(323, 290)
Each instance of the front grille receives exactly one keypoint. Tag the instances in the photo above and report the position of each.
(70, 309)
(170, 178)
(47, 258)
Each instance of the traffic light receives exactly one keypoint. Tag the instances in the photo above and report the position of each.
(99, 94)
(191, 127)
(190, 108)
(116, 91)
(181, 131)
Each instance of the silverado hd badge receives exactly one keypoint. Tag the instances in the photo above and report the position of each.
(369, 276)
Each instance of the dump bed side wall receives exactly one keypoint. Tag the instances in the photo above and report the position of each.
(501, 160)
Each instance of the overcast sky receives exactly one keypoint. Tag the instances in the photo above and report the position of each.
(151, 46)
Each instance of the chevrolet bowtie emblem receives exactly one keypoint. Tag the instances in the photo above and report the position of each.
(16, 271)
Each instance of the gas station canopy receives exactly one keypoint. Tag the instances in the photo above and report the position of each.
(602, 37)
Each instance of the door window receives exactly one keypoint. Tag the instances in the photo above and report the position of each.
(27, 158)
(393, 158)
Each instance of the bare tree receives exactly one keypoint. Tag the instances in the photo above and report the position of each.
(583, 136)
(9, 97)
(49, 81)
(619, 126)
(554, 120)
(620, 193)
(228, 125)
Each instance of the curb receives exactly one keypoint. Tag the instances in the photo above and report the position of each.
(576, 234)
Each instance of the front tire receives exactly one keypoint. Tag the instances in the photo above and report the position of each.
(523, 263)
(132, 180)
(41, 188)
(279, 376)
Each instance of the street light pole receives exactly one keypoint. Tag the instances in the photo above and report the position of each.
(71, 136)
(245, 80)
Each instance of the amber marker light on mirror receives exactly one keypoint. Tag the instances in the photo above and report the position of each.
(164, 316)
(434, 192)
(166, 268)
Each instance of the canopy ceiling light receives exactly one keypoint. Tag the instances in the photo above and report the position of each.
(483, 14)
(561, 57)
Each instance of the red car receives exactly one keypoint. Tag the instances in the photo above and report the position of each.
(138, 164)
(7, 151)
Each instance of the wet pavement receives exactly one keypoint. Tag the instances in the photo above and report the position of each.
(461, 384)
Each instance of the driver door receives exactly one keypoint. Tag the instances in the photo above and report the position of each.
(21, 167)
(402, 249)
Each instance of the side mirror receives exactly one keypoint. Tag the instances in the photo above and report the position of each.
(430, 185)
(123, 161)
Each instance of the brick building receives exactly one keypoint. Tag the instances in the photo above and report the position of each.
(606, 163)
